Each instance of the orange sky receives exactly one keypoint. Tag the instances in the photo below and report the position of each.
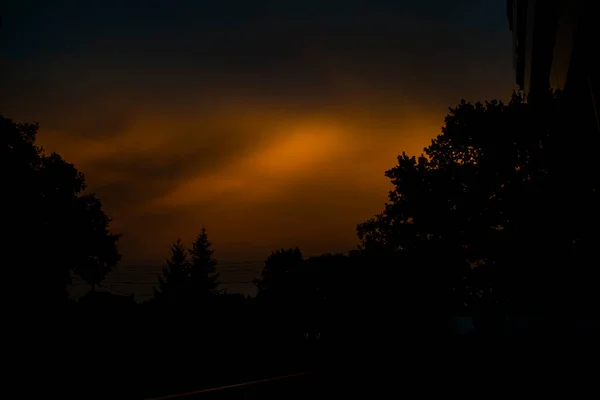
(300, 178)
(268, 134)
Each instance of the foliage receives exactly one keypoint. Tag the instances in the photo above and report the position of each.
(52, 225)
(174, 283)
(189, 277)
(203, 275)
(487, 215)
(279, 273)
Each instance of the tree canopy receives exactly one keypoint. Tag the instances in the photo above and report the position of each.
(496, 210)
(175, 280)
(203, 269)
(189, 277)
(53, 227)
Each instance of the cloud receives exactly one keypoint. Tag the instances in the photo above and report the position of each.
(272, 125)
(296, 150)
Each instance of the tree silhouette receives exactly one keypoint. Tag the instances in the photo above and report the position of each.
(489, 215)
(203, 275)
(288, 291)
(279, 274)
(50, 219)
(95, 241)
(174, 284)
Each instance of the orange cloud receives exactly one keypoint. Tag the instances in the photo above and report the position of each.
(280, 176)
(296, 152)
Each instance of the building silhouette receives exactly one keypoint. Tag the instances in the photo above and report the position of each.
(555, 45)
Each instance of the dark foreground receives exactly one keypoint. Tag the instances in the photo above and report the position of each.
(470, 370)
(294, 386)
(469, 367)
(152, 361)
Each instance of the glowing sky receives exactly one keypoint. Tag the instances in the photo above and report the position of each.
(270, 125)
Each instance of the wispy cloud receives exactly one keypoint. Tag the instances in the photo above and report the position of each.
(272, 128)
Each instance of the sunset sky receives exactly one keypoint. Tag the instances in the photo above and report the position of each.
(270, 123)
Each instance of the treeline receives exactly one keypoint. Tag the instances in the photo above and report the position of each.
(497, 218)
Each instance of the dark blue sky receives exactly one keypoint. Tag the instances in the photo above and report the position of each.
(432, 40)
(159, 99)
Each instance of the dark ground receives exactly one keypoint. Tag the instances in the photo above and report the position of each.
(148, 363)
(563, 366)
(288, 387)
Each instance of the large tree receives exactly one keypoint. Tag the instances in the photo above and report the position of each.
(284, 289)
(498, 211)
(174, 284)
(52, 226)
(203, 270)
(279, 277)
